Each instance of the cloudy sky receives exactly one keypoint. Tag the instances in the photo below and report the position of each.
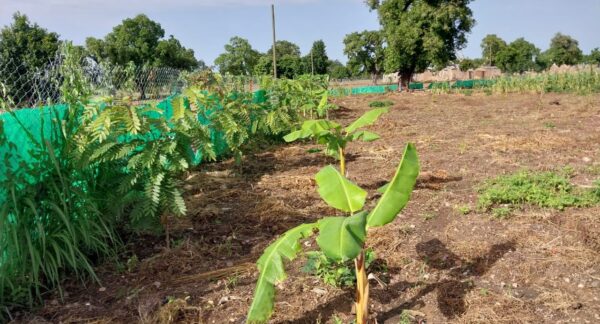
(206, 25)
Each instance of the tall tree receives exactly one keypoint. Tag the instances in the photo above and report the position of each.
(24, 47)
(594, 57)
(317, 58)
(139, 41)
(239, 57)
(491, 45)
(337, 70)
(518, 57)
(289, 62)
(365, 53)
(421, 33)
(564, 49)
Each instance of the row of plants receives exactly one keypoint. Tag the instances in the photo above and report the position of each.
(113, 167)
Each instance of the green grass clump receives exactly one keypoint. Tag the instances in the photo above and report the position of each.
(379, 104)
(337, 274)
(543, 189)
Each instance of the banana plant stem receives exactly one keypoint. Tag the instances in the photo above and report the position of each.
(342, 162)
(362, 290)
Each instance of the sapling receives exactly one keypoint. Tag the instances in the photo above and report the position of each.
(335, 137)
(339, 238)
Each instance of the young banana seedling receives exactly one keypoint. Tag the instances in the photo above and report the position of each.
(335, 137)
(340, 238)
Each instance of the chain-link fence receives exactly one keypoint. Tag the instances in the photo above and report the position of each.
(23, 86)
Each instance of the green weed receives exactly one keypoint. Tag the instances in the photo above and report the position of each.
(463, 209)
(543, 189)
(337, 274)
(380, 104)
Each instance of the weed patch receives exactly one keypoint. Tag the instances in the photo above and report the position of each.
(380, 104)
(543, 189)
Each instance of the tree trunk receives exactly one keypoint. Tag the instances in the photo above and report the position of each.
(404, 81)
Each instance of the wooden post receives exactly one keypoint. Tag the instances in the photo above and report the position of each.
(312, 62)
(274, 41)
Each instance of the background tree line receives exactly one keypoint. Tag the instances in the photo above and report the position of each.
(415, 35)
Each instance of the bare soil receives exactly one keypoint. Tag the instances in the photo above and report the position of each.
(539, 266)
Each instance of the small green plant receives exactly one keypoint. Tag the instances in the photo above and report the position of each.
(337, 274)
(543, 189)
(464, 209)
(405, 318)
(335, 137)
(380, 104)
(549, 125)
(501, 212)
(340, 238)
(467, 92)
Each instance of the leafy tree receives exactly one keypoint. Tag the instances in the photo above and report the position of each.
(289, 62)
(170, 53)
(139, 41)
(27, 47)
(518, 57)
(467, 64)
(594, 57)
(421, 33)
(491, 45)
(283, 48)
(317, 58)
(239, 57)
(365, 53)
(337, 70)
(564, 49)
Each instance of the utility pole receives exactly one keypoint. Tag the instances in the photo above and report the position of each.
(312, 63)
(274, 40)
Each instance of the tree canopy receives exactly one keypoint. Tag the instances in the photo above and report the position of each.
(337, 70)
(593, 57)
(319, 58)
(26, 47)
(564, 49)
(239, 57)
(518, 57)
(365, 52)
(139, 40)
(422, 33)
(289, 62)
(491, 45)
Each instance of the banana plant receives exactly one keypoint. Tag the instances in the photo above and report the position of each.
(340, 238)
(335, 137)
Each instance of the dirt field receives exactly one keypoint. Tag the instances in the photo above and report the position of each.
(539, 266)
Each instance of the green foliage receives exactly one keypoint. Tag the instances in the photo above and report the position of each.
(422, 33)
(518, 57)
(239, 58)
(333, 135)
(593, 57)
(564, 49)
(491, 45)
(139, 41)
(469, 64)
(317, 58)
(340, 238)
(365, 53)
(543, 189)
(337, 274)
(337, 70)
(339, 192)
(29, 47)
(464, 209)
(379, 104)
(272, 271)
(580, 83)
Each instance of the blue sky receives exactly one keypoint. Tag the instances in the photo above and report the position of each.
(206, 25)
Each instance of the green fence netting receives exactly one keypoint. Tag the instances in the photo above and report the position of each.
(26, 127)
